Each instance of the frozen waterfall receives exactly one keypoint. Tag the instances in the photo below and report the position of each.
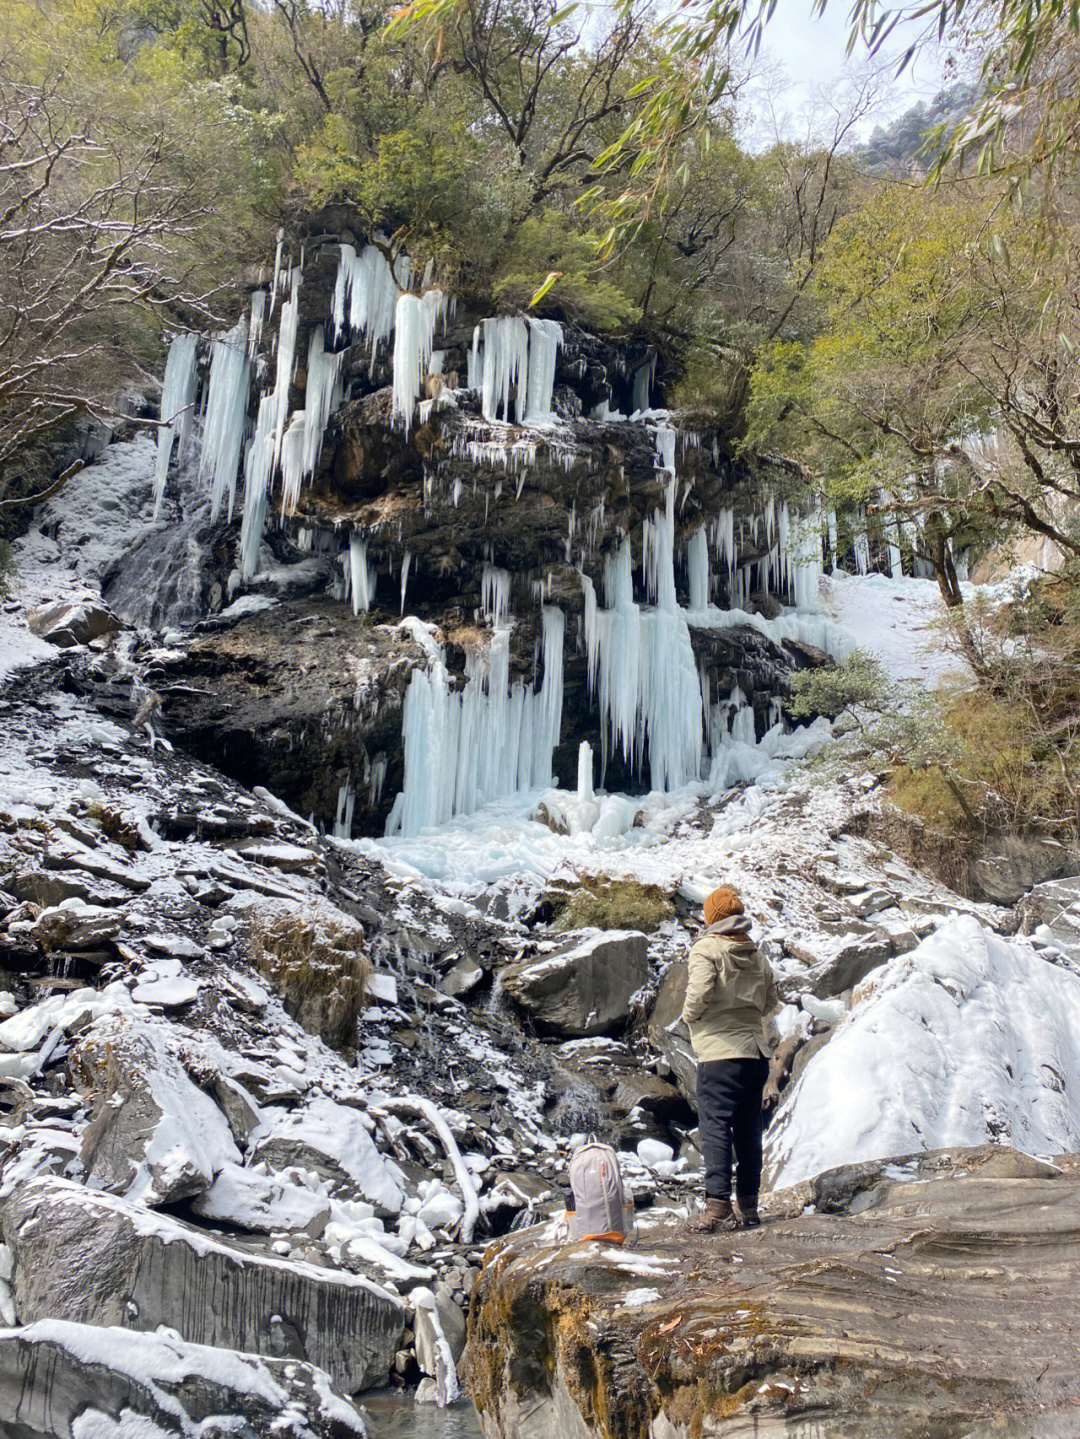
(466, 747)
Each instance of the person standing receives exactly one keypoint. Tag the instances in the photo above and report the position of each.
(729, 991)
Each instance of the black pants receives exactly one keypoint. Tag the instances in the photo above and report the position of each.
(729, 1112)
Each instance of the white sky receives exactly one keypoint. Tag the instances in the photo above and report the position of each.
(810, 54)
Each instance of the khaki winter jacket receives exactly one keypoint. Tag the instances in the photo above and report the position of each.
(729, 991)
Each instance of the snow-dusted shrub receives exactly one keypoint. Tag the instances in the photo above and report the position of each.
(314, 957)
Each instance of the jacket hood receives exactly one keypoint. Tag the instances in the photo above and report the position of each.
(735, 932)
(737, 926)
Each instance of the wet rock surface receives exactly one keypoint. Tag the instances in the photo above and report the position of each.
(941, 1306)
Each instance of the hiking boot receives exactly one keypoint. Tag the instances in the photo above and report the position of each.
(717, 1214)
(749, 1218)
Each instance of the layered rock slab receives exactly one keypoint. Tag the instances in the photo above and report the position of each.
(68, 1381)
(947, 1300)
(100, 1260)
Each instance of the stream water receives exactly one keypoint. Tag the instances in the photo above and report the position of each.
(390, 1415)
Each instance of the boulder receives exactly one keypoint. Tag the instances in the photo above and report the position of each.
(260, 1202)
(1052, 912)
(60, 1380)
(155, 1136)
(1003, 868)
(333, 1140)
(586, 986)
(462, 979)
(71, 622)
(96, 1259)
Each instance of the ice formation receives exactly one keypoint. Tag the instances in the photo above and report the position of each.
(267, 443)
(514, 359)
(465, 748)
(366, 293)
(226, 416)
(416, 317)
(303, 440)
(641, 662)
(359, 575)
(177, 408)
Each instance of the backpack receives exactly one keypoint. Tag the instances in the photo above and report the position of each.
(600, 1208)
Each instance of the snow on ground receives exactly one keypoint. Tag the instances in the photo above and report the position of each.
(969, 1039)
(896, 620)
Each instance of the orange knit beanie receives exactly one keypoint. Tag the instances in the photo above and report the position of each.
(721, 903)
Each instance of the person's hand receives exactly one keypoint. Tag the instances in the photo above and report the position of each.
(770, 1097)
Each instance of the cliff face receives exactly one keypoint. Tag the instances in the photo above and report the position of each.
(381, 484)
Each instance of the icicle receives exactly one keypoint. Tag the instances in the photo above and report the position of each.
(697, 559)
(360, 576)
(366, 292)
(640, 664)
(465, 748)
(644, 376)
(177, 408)
(226, 416)
(346, 803)
(665, 448)
(495, 595)
(405, 564)
(414, 334)
(258, 319)
(321, 396)
(545, 339)
(264, 451)
(585, 771)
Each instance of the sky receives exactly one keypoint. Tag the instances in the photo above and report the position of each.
(810, 54)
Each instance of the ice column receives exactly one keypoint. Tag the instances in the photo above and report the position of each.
(697, 564)
(177, 408)
(359, 574)
(226, 416)
(414, 337)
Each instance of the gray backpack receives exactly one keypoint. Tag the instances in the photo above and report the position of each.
(600, 1209)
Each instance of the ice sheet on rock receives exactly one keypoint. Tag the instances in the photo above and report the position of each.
(895, 620)
(969, 1039)
(338, 1132)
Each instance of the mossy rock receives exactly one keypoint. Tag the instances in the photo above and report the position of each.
(314, 960)
(600, 902)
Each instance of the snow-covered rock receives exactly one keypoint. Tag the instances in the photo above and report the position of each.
(82, 1381)
(72, 622)
(968, 1039)
(139, 1270)
(251, 1200)
(333, 1140)
(155, 1135)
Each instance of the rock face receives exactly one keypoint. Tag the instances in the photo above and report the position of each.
(678, 1336)
(95, 1259)
(586, 986)
(667, 1033)
(60, 1380)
